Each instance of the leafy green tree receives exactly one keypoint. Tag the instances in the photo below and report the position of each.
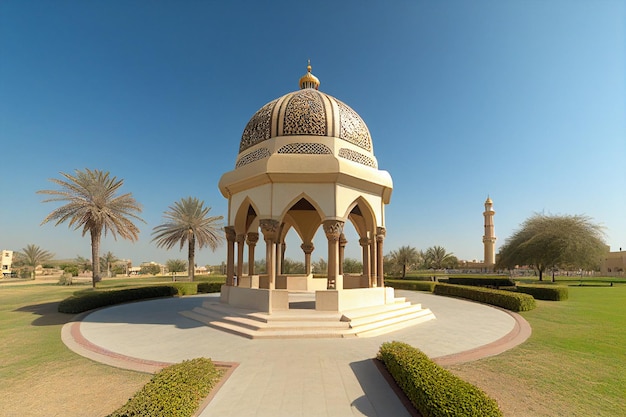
(404, 258)
(119, 269)
(551, 241)
(32, 256)
(176, 265)
(259, 267)
(152, 269)
(351, 265)
(107, 261)
(451, 262)
(437, 257)
(320, 267)
(70, 269)
(84, 264)
(92, 203)
(188, 221)
(292, 267)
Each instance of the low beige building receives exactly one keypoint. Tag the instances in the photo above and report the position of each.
(613, 263)
(6, 262)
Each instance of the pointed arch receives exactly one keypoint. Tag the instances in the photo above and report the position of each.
(304, 215)
(362, 216)
(246, 216)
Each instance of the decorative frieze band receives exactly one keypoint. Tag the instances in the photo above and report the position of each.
(358, 157)
(253, 156)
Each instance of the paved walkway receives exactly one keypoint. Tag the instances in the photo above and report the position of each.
(290, 377)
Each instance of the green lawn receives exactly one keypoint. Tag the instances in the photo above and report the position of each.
(574, 364)
(40, 375)
(575, 360)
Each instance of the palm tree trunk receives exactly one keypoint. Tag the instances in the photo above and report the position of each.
(191, 258)
(95, 257)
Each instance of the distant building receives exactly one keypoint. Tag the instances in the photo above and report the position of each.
(7, 261)
(613, 263)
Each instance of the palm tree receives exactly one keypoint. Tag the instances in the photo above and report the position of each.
(107, 261)
(405, 257)
(94, 206)
(438, 258)
(188, 222)
(33, 255)
(176, 265)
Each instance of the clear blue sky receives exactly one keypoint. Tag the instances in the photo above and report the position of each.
(524, 101)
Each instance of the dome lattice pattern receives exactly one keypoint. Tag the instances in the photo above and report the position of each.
(306, 112)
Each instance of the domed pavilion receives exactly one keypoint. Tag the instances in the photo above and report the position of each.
(306, 160)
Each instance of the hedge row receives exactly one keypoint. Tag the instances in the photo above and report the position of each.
(86, 301)
(482, 281)
(177, 391)
(209, 287)
(411, 285)
(541, 292)
(434, 391)
(506, 299)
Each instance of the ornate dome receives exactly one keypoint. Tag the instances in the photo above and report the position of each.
(308, 112)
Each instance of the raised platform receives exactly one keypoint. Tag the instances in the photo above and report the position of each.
(301, 320)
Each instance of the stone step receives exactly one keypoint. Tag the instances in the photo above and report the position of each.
(290, 315)
(401, 317)
(269, 332)
(392, 327)
(298, 323)
(278, 321)
(377, 313)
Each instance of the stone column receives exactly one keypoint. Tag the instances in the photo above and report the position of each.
(230, 254)
(240, 239)
(342, 249)
(365, 245)
(333, 229)
(280, 257)
(380, 236)
(308, 249)
(252, 238)
(269, 228)
(373, 258)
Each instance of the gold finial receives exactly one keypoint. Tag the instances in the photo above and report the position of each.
(309, 80)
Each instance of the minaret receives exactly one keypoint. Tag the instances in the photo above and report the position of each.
(489, 239)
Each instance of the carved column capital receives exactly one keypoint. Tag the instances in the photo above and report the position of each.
(364, 241)
(252, 238)
(270, 228)
(240, 239)
(342, 240)
(381, 232)
(230, 233)
(333, 229)
(307, 248)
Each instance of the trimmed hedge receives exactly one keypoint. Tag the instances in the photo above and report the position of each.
(482, 281)
(433, 390)
(506, 299)
(185, 288)
(411, 285)
(86, 301)
(209, 287)
(542, 292)
(175, 391)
